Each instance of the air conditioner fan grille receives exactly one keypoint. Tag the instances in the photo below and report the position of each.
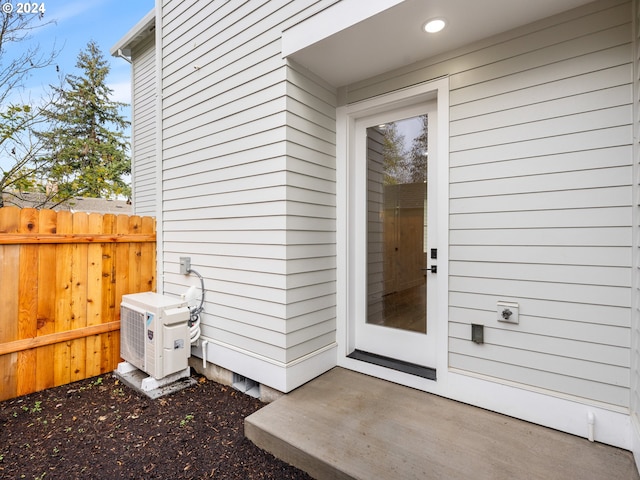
(132, 336)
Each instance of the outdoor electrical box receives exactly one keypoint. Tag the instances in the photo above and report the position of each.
(477, 333)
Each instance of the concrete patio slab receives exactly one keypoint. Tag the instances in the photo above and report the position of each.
(345, 425)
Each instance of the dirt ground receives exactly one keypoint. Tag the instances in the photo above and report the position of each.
(99, 428)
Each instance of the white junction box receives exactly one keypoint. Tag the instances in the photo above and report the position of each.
(508, 312)
(154, 333)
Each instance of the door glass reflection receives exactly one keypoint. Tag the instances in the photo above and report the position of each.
(397, 155)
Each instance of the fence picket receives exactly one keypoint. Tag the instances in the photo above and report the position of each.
(27, 303)
(46, 301)
(62, 287)
(94, 297)
(9, 282)
(135, 253)
(79, 297)
(64, 272)
(108, 291)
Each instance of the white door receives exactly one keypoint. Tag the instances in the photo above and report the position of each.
(395, 197)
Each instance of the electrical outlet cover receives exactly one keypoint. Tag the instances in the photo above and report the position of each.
(508, 312)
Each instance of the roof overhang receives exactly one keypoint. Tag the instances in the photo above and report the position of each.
(353, 40)
(142, 30)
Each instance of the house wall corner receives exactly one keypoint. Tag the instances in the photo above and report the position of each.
(246, 188)
(635, 316)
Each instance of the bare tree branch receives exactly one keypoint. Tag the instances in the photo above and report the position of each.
(20, 149)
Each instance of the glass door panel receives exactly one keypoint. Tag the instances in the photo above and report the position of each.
(397, 155)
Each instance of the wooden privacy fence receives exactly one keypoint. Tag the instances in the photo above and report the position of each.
(62, 277)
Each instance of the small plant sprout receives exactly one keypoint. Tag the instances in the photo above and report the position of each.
(187, 418)
(37, 407)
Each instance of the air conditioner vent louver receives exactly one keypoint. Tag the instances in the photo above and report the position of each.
(154, 333)
(132, 336)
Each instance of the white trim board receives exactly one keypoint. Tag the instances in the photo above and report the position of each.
(635, 440)
(571, 416)
(283, 377)
(348, 239)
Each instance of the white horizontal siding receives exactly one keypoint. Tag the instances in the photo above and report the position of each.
(549, 41)
(601, 237)
(199, 170)
(521, 356)
(577, 274)
(245, 96)
(558, 109)
(249, 176)
(564, 383)
(540, 199)
(199, 238)
(144, 138)
(563, 181)
(560, 125)
(555, 200)
(583, 313)
(560, 292)
(564, 162)
(522, 263)
(614, 136)
(218, 147)
(574, 329)
(615, 53)
(563, 255)
(311, 193)
(581, 351)
(578, 217)
(635, 325)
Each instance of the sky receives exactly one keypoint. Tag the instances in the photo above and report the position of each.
(75, 24)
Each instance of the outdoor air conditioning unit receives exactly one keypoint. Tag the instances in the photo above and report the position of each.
(154, 333)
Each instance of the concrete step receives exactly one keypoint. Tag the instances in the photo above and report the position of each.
(345, 425)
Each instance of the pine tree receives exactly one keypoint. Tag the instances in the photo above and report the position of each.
(395, 162)
(87, 147)
(419, 152)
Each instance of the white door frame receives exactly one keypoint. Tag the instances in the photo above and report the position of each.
(351, 237)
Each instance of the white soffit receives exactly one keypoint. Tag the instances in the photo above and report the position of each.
(140, 31)
(353, 40)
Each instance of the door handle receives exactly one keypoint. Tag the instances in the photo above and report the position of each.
(432, 269)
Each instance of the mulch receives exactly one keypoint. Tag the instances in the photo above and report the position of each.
(100, 428)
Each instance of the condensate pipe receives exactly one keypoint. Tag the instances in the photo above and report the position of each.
(591, 420)
(204, 352)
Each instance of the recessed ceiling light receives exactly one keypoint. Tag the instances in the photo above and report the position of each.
(434, 25)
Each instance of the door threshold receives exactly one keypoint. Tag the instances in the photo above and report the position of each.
(400, 365)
